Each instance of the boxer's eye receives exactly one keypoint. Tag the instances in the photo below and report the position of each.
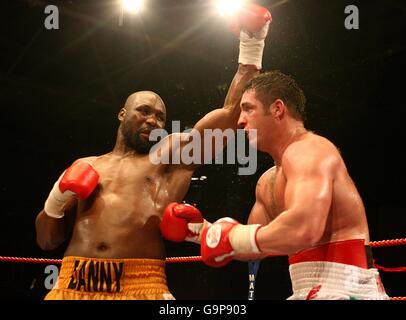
(145, 111)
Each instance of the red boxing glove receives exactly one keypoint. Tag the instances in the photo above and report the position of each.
(80, 179)
(216, 249)
(226, 238)
(251, 25)
(251, 18)
(182, 222)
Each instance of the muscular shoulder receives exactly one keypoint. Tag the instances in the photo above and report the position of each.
(312, 152)
(266, 176)
(90, 159)
(265, 181)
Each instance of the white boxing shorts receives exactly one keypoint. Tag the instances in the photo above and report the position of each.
(335, 271)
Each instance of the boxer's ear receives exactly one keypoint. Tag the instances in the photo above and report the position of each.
(121, 114)
(278, 109)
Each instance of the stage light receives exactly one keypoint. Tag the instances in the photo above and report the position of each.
(229, 7)
(132, 6)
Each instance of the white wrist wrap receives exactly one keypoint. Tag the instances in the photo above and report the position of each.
(252, 46)
(56, 200)
(243, 238)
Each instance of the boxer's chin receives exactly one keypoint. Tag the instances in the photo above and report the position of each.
(142, 145)
(253, 142)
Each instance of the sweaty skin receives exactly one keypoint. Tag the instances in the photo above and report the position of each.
(122, 216)
(342, 217)
(308, 197)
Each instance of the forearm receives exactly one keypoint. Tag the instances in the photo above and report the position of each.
(255, 217)
(285, 236)
(227, 117)
(243, 75)
(51, 232)
(250, 257)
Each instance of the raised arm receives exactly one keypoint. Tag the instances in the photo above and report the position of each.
(227, 116)
(218, 119)
(252, 28)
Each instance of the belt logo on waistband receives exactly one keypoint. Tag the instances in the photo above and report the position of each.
(96, 276)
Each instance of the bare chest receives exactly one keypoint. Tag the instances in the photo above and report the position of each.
(129, 176)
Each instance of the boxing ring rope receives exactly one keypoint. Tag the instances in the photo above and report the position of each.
(59, 261)
(373, 244)
(387, 243)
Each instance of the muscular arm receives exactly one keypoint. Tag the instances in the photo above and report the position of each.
(265, 186)
(226, 117)
(309, 169)
(259, 214)
(308, 197)
(222, 119)
(52, 232)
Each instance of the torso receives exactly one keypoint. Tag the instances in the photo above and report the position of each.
(121, 218)
(346, 219)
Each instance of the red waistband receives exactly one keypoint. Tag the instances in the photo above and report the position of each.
(348, 252)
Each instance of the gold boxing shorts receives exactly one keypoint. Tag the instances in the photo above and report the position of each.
(110, 279)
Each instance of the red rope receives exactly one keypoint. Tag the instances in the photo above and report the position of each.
(388, 243)
(193, 259)
(373, 244)
(184, 259)
(398, 269)
(30, 260)
(59, 261)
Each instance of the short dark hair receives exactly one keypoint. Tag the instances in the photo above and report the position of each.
(273, 85)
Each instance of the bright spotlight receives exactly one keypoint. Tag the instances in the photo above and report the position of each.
(229, 7)
(132, 6)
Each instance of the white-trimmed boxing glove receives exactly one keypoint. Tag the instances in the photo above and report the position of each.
(182, 222)
(226, 238)
(78, 180)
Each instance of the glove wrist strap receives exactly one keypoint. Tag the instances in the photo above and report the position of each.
(251, 52)
(54, 204)
(243, 238)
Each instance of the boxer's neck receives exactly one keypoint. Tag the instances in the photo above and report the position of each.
(284, 138)
(121, 148)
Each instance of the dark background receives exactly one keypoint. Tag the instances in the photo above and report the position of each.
(61, 91)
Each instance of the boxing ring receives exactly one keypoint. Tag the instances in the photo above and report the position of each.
(187, 259)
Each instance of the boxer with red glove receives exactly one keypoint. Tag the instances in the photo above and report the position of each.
(78, 180)
(251, 26)
(182, 222)
(226, 238)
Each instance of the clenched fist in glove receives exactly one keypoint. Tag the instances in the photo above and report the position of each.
(182, 222)
(226, 238)
(78, 180)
